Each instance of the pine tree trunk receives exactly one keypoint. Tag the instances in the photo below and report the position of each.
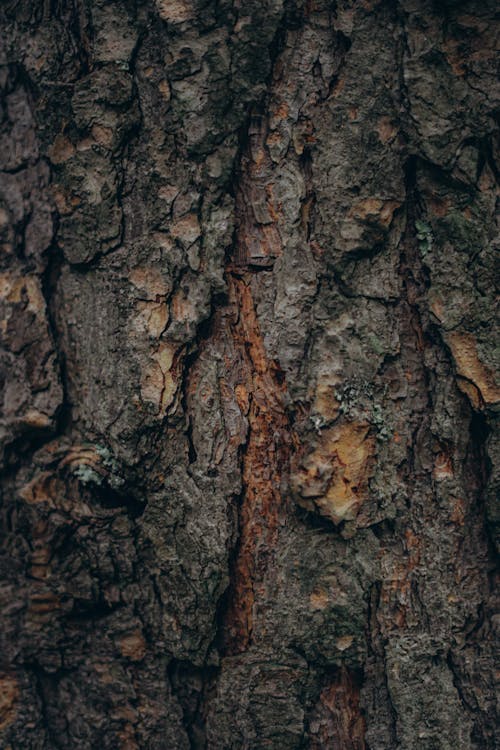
(248, 374)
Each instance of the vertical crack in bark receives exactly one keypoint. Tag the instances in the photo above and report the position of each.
(375, 671)
(259, 388)
(42, 682)
(264, 463)
(191, 684)
(49, 280)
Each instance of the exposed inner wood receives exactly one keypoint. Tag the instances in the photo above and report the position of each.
(265, 463)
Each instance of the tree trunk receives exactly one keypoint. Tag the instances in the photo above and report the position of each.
(248, 365)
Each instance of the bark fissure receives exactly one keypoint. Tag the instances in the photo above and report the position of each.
(265, 461)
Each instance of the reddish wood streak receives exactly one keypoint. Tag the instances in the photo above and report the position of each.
(265, 459)
(336, 722)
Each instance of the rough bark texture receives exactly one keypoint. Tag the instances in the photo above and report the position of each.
(248, 368)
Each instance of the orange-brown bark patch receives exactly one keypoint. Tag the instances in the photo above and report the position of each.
(456, 56)
(103, 135)
(325, 401)
(44, 603)
(471, 370)
(9, 695)
(443, 465)
(375, 210)
(333, 479)
(280, 113)
(164, 89)
(183, 307)
(175, 11)
(338, 87)
(397, 585)
(159, 382)
(337, 722)
(187, 229)
(266, 458)
(133, 646)
(255, 384)
(319, 599)
(41, 553)
(386, 129)
(439, 206)
(458, 511)
(40, 489)
(61, 150)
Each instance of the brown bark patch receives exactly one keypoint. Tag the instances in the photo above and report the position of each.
(150, 282)
(127, 738)
(159, 382)
(337, 722)
(44, 603)
(186, 229)
(103, 135)
(175, 11)
(164, 89)
(265, 460)
(9, 695)
(333, 478)
(325, 401)
(133, 646)
(443, 465)
(61, 150)
(151, 311)
(387, 129)
(40, 489)
(16, 289)
(396, 590)
(258, 242)
(319, 599)
(375, 210)
(150, 318)
(472, 371)
(439, 206)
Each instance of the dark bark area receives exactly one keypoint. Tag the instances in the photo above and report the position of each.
(248, 357)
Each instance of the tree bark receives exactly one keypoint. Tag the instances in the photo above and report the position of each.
(248, 366)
